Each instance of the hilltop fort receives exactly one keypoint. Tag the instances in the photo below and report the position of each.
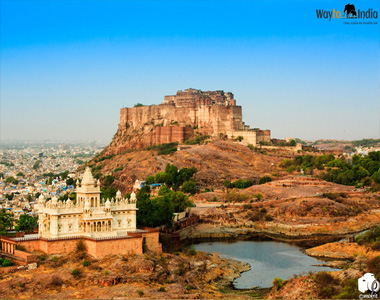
(181, 116)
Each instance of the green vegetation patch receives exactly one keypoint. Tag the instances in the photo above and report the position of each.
(164, 149)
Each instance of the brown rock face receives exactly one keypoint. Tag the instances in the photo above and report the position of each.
(175, 120)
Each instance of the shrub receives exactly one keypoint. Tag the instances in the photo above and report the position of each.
(86, 263)
(374, 266)
(188, 287)
(241, 184)
(370, 237)
(259, 196)
(56, 280)
(6, 263)
(325, 283)
(118, 169)
(141, 293)
(350, 290)
(164, 149)
(265, 179)
(235, 197)
(1, 260)
(75, 272)
(331, 196)
(162, 289)
(192, 250)
(278, 283)
(268, 218)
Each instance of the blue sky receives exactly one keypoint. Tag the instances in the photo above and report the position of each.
(67, 67)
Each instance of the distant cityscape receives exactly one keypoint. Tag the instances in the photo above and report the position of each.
(29, 169)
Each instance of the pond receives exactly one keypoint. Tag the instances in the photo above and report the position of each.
(268, 259)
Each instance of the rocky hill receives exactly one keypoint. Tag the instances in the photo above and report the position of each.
(186, 275)
(215, 162)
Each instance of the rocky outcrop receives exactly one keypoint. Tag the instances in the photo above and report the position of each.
(342, 250)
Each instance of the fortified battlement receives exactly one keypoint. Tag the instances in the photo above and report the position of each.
(193, 98)
(179, 117)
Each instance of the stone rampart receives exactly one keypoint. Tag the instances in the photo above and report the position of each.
(191, 111)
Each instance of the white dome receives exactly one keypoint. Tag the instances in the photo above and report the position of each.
(118, 194)
(87, 178)
(54, 200)
(41, 197)
(133, 196)
(108, 203)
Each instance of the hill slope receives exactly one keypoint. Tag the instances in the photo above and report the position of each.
(214, 161)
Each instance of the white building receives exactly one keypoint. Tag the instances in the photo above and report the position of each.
(88, 216)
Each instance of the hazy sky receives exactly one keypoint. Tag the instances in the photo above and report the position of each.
(67, 67)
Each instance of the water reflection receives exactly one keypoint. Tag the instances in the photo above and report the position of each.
(268, 259)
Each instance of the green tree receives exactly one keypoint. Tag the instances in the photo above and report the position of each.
(239, 138)
(11, 180)
(164, 190)
(265, 179)
(64, 175)
(9, 196)
(37, 164)
(6, 219)
(49, 181)
(70, 181)
(180, 201)
(108, 193)
(171, 175)
(108, 180)
(149, 179)
(227, 184)
(189, 187)
(144, 205)
(185, 174)
(160, 177)
(20, 174)
(163, 210)
(26, 223)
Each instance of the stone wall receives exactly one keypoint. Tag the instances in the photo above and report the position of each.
(152, 241)
(170, 134)
(101, 248)
(97, 247)
(208, 113)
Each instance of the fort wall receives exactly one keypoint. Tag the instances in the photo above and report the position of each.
(97, 247)
(179, 117)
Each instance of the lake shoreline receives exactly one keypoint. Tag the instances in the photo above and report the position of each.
(208, 232)
(266, 260)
